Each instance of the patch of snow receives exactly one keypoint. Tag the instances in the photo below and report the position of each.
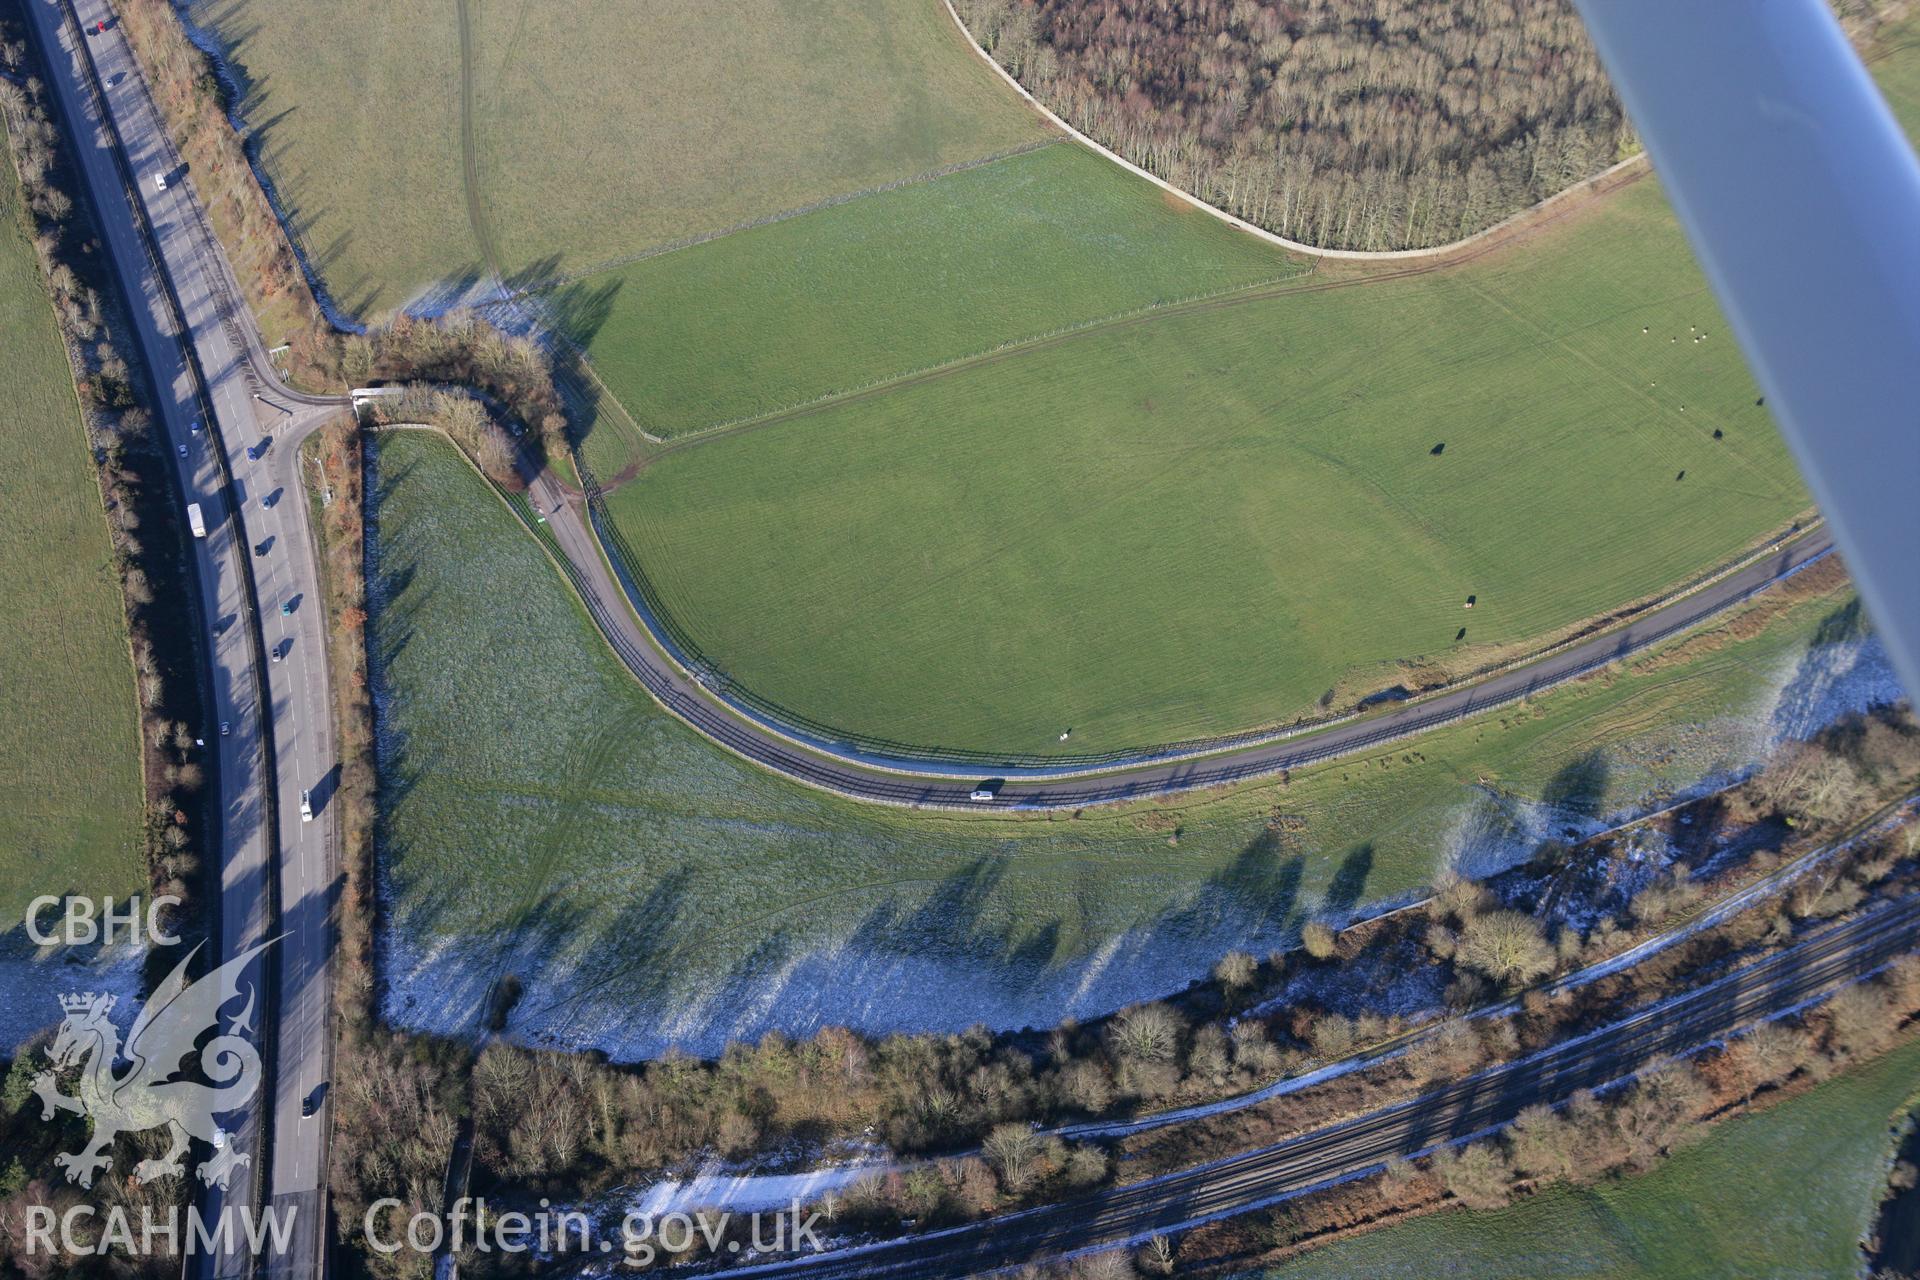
(1496, 831)
(745, 1192)
(1397, 982)
(583, 995)
(34, 979)
(1829, 681)
(1833, 677)
(573, 1001)
(1727, 907)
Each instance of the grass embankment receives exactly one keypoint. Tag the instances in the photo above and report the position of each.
(70, 791)
(649, 887)
(1202, 521)
(236, 206)
(1789, 1191)
(596, 132)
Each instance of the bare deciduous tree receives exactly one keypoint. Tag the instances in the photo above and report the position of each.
(1544, 1144)
(1014, 1151)
(1477, 1175)
(1506, 946)
(1235, 970)
(1148, 1033)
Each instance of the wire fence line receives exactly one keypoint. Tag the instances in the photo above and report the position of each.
(862, 780)
(874, 750)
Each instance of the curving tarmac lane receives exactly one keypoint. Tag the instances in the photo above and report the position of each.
(620, 613)
(236, 364)
(616, 609)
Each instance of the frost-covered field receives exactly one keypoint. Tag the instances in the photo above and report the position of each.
(543, 819)
(34, 978)
(1803, 691)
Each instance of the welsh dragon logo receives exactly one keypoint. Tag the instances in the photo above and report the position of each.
(148, 1096)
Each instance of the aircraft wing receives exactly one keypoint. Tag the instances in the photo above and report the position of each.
(1801, 197)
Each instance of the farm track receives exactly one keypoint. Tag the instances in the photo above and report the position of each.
(470, 148)
(573, 381)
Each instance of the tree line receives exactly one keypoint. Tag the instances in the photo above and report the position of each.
(1351, 124)
(515, 371)
(131, 458)
(1625, 1131)
(572, 1126)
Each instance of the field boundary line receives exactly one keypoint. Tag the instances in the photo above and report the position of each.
(1418, 260)
(911, 759)
(549, 283)
(827, 398)
(1238, 295)
(1510, 222)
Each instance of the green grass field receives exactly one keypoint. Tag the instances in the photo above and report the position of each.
(597, 132)
(1201, 519)
(904, 280)
(537, 800)
(1181, 523)
(1785, 1194)
(69, 769)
